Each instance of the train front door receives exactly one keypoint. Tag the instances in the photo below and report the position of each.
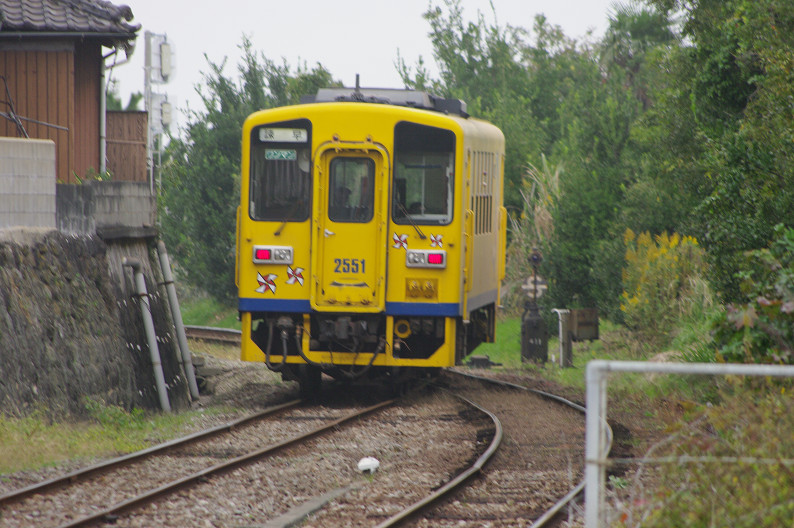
(348, 242)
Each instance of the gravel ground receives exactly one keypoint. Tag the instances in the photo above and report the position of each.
(421, 443)
(540, 460)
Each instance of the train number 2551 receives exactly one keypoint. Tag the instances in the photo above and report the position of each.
(349, 265)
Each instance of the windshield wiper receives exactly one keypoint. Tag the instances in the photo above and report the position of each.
(288, 217)
(408, 216)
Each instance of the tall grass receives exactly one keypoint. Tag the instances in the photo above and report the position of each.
(203, 310)
(725, 465)
(532, 229)
(35, 441)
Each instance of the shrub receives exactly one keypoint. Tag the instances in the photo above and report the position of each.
(761, 330)
(662, 281)
(728, 465)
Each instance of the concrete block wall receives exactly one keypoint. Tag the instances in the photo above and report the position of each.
(108, 208)
(27, 183)
(123, 204)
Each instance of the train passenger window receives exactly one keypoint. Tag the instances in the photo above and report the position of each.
(424, 168)
(280, 185)
(351, 184)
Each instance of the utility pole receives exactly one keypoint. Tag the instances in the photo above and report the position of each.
(158, 69)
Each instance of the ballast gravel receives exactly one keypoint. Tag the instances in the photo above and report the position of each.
(421, 443)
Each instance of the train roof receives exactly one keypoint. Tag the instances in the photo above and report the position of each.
(389, 96)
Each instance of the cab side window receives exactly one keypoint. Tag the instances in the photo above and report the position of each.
(424, 168)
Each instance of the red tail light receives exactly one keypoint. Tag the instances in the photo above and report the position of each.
(435, 258)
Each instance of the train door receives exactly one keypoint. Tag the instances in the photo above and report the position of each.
(348, 245)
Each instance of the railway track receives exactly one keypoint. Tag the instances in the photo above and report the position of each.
(426, 479)
(552, 477)
(102, 492)
(528, 482)
(130, 490)
(213, 334)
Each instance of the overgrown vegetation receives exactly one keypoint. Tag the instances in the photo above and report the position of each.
(35, 441)
(761, 328)
(664, 283)
(724, 464)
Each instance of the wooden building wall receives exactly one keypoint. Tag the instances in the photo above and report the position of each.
(55, 87)
(126, 146)
(88, 57)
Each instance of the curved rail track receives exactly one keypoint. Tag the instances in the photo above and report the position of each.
(456, 482)
(528, 481)
(545, 516)
(83, 492)
(552, 512)
(485, 500)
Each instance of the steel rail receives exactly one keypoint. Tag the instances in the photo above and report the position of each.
(549, 514)
(121, 461)
(458, 480)
(221, 468)
(213, 333)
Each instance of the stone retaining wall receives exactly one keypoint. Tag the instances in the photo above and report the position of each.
(70, 325)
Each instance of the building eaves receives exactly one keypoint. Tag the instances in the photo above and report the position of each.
(83, 17)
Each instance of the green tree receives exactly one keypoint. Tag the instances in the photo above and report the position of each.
(585, 255)
(552, 96)
(634, 31)
(736, 78)
(200, 183)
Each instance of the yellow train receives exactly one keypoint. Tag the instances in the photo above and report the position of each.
(370, 234)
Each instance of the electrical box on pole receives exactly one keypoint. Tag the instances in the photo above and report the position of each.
(165, 61)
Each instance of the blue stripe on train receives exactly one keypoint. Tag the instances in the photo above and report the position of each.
(432, 309)
(246, 304)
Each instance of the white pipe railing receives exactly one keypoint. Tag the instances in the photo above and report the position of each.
(179, 326)
(151, 336)
(596, 376)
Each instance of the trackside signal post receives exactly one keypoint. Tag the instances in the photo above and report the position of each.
(534, 334)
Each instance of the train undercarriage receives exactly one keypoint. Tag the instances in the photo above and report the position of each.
(354, 347)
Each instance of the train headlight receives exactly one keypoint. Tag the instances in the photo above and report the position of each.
(422, 258)
(429, 289)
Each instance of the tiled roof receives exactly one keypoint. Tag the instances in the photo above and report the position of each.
(66, 16)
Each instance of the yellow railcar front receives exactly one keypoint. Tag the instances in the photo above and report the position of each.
(362, 241)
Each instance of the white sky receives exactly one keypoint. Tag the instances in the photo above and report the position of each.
(345, 36)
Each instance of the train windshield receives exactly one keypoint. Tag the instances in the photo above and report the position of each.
(424, 168)
(352, 189)
(280, 187)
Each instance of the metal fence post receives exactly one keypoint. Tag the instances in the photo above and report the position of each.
(595, 442)
(566, 344)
